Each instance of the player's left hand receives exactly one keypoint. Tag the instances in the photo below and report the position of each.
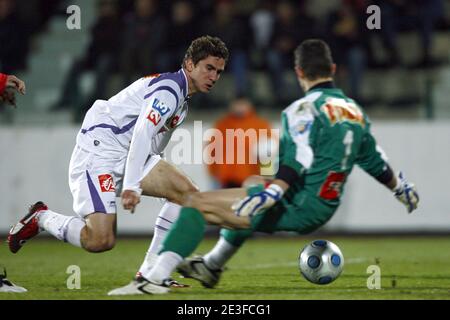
(130, 200)
(406, 193)
(253, 204)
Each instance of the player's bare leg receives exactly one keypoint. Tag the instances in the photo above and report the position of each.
(167, 181)
(99, 234)
(216, 207)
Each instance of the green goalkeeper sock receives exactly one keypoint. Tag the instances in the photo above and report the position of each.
(186, 233)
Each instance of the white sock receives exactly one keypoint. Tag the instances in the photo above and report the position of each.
(167, 216)
(164, 266)
(220, 254)
(65, 228)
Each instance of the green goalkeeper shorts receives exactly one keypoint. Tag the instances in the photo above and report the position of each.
(302, 213)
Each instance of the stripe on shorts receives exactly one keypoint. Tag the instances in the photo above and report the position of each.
(96, 200)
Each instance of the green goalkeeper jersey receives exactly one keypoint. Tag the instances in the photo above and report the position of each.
(324, 135)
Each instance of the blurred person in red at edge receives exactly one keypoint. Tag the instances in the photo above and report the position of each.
(10, 81)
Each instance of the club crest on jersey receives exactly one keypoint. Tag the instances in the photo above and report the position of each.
(303, 127)
(106, 183)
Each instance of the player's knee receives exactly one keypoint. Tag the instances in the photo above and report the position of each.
(100, 244)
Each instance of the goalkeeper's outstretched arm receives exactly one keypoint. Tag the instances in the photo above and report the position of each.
(403, 190)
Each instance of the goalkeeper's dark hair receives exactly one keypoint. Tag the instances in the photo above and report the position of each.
(313, 56)
(206, 46)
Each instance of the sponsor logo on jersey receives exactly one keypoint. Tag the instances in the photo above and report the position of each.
(338, 110)
(332, 187)
(106, 183)
(160, 107)
(154, 117)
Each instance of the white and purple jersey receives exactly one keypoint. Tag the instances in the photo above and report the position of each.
(136, 123)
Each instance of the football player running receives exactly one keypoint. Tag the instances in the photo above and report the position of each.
(324, 134)
(118, 153)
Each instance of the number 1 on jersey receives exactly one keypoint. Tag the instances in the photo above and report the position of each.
(348, 140)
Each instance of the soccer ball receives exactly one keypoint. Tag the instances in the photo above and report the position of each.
(321, 262)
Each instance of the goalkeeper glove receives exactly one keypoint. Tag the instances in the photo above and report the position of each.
(251, 205)
(406, 193)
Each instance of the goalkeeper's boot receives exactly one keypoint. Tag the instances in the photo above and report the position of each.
(172, 283)
(140, 285)
(196, 268)
(8, 286)
(26, 228)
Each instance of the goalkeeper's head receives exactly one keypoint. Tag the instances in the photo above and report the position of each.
(313, 63)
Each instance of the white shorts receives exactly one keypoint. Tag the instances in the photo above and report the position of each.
(95, 181)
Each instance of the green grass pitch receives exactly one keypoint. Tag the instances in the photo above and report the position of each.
(265, 268)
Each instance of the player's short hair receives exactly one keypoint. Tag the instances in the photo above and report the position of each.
(206, 46)
(313, 56)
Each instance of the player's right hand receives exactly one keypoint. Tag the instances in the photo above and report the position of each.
(406, 193)
(130, 199)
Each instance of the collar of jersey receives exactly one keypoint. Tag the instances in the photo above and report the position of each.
(324, 86)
